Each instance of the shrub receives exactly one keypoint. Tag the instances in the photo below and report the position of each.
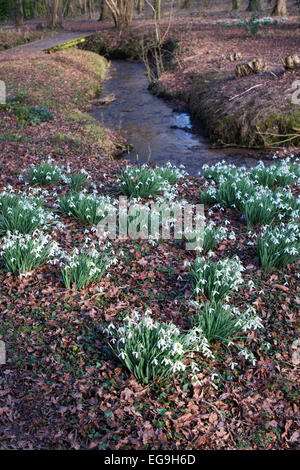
(33, 115)
(152, 350)
(223, 323)
(252, 25)
(88, 208)
(20, 97)
(23, 253)
(216, 280)
(83, 267)
(142, 182)
(40, 114)
(45, 173)
(279, 246)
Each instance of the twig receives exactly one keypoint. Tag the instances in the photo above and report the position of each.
(191, 57)
(241, 94)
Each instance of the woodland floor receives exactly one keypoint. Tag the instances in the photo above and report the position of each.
(62, 388)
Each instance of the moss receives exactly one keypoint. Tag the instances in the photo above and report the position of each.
(160, 91)
(293, 120)
(282, 128)
(79, 116)
(65, 45)
(66, 139)
(94, 133)
(226, 131)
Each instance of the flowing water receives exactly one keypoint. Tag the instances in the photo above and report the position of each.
(157, 133)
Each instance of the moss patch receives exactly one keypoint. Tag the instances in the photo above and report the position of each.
(65, 45)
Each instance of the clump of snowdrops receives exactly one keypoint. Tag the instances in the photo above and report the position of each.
(84, 266)
(279, 245)
(22, 253)
(152, 350)
(88, 208)
(215, 280)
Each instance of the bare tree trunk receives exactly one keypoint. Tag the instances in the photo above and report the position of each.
(157, 9)
(235, 4)
(254, 5)
(140, 6)
(280, 8)
(83, 6)
(19, 14)
(54, 15)
(91, 8)
(186, 4)
(105, 13)
(122, 11)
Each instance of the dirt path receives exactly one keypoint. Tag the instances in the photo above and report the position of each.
(42, 44)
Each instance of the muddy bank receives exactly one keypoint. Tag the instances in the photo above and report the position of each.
(254, 112)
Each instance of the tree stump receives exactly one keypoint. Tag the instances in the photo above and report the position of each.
(235, 56)
(255, 66)
(291, 62)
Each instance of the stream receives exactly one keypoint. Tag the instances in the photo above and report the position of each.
(157, 133)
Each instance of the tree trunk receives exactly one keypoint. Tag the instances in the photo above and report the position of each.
(280, 8)
(91, 8)
(157, 8)
(104, 12)
(19, 13)
(122, 11)
(54, 15)
(140, 6)
(235, 4)
(254, 5)
(186, 4)
(83, 6)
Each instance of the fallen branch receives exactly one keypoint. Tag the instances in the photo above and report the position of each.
(244, 92)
